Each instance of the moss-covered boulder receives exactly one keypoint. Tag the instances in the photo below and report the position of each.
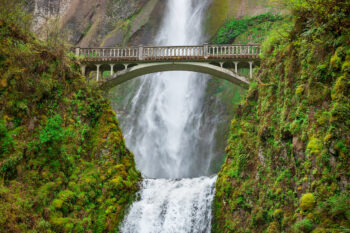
(307, 202)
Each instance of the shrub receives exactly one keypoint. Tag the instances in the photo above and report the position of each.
(339, 205)
(304, 225)
(5, 139)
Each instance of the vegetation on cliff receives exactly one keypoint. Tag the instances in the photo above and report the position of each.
(64, 166)
(287, 166)
(256, 25)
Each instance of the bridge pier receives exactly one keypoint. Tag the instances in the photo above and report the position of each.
(236, 67)
(251, 69)
(98, 72)
(112, 68)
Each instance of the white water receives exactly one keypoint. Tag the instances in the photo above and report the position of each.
(164, 132)
(172, 206)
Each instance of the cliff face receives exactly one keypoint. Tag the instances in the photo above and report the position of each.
(115, 22)
(287, 165)
(64, 166)
(94, 23)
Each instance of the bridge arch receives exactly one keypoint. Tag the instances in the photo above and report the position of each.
(148, 68)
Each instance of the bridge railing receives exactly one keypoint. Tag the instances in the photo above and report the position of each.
(171, 52)
(129, 52)
(233, 50)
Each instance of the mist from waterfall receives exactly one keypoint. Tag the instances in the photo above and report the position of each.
(164, 130)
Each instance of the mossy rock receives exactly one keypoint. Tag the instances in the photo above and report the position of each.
(307, 202)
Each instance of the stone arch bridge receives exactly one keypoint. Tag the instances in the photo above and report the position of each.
(123, 64)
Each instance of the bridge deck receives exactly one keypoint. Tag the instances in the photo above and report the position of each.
(170, 53)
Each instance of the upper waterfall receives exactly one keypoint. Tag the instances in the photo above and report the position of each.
(165, 133)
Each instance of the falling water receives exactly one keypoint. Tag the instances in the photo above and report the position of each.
(164, 130)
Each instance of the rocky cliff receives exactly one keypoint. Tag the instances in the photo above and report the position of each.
(95, 23)
(117, 22)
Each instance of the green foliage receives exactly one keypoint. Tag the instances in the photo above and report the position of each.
(339, 205)
(304, 225)
(52, 135)
(233, 28)
(6, 142)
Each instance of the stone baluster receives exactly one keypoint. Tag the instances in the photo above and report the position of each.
(77, 52)
(141, 53)
(206, 51)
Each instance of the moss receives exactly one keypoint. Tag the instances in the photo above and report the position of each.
(58, 139)
(57, 203)
(296, 119)
(314, 146)
(278, 213)
(307, 202)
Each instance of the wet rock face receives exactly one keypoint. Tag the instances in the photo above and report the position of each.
(45, 9)
(86, 22)
(122, 9)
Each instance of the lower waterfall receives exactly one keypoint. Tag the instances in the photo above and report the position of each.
(172, 142)
(172, 206)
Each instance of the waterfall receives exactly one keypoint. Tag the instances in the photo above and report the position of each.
(164, 129)
(172, 206)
